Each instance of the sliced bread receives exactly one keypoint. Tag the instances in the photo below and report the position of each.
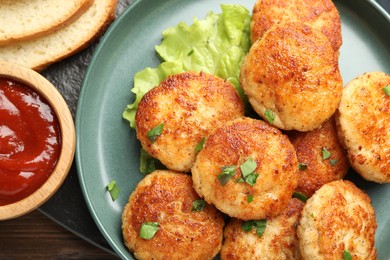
(28, 19)
(41, 52)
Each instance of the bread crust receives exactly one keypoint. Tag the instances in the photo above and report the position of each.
(293, 72)
(363, 125)
(320, 14)
(279, 240)
(190, 105)
(39, 53)
(233, 144)
(166, 197)
(309, 148)
(339, 216)
(21, 30)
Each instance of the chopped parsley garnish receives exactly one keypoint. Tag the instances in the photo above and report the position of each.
(198, 205)
(260, 226)
(240, 180)
(155, 132)
(299, 196)
(325, 153)
(249, 198)
(269, 115)
(302, 166)
(334, 162)
(251, 179)
(347, 255)
(227, 173)
(147, 162)
(386, 89)
(148, 230)
(247, 172)
(247, 225)
(113, 190)
(248, 167)
(200, 145)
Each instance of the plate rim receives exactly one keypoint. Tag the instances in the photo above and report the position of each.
(78, 117)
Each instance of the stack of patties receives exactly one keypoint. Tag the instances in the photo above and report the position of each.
(173, 120)
(292, 80)
(291, 72)
(278, 181)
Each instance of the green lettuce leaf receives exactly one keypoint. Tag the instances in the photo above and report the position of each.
(215, 45)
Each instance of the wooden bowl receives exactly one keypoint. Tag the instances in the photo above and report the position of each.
(42, 86)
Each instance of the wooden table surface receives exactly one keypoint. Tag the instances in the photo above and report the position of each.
(34, 236)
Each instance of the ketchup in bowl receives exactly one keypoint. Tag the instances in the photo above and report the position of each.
(30, 141)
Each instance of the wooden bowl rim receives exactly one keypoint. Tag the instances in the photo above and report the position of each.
(68, 139)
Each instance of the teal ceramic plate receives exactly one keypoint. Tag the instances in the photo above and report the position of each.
(108, 150)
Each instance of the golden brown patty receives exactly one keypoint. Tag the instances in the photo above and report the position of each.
(166, 197)
(321, 157)
(319, 14)
(190, 105)
(364, 125)
(293, 72)
(338, 217)
(279, 240)
(232, 145)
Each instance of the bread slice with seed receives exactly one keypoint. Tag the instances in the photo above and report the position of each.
(39, 53)
(26, 19)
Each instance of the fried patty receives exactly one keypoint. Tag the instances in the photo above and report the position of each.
(316, 167)
(279, 240)
(189, 105)
(166, 197)
(232, 145)
(319, 14)
(363, 122)
(338, 217)
(293, 73)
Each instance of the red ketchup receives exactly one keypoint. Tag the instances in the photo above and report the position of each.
(30, 141)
